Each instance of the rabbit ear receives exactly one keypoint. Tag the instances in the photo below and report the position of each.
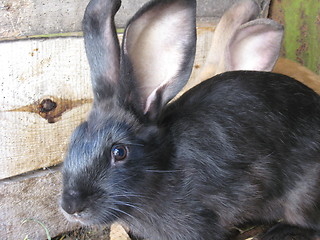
(102, 46)
(238, 14)
(255, 46)
(158, 53)
(265, 6)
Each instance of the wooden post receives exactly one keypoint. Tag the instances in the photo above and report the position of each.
(301, 19)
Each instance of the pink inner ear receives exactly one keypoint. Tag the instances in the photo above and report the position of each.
(150, 100)
(255, 46)
(157, 52)
(239, 13)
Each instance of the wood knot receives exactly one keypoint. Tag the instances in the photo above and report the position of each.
(47, 109)
(51, 108)
(47, 105)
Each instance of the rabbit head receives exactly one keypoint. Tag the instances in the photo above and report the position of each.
(131, 87)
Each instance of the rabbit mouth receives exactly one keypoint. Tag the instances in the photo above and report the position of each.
(84, 217)
(89, 217)
(76, 217)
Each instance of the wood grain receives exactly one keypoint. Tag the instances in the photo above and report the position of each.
(301, 42)
(45, 93)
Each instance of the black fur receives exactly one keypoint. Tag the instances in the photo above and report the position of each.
(232, 149)
(242, 146)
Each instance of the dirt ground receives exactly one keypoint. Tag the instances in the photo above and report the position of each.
(248, 232)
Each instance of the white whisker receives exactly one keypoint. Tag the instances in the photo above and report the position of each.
(123, 212)
(112, 213)
(141, 210)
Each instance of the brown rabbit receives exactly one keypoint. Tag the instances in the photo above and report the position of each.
(242, 41)
(299, 72)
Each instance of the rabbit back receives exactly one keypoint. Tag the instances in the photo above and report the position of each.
(250, 143)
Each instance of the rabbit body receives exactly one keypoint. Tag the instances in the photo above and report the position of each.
(242, 146)
(246, 155)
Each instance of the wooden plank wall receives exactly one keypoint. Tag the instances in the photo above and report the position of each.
(41, 17)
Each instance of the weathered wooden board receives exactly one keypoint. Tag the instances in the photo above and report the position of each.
(39, 17)
(45, 92)
(33, 17)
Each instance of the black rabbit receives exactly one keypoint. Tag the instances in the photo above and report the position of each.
(242, 146)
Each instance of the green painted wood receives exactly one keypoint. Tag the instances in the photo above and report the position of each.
(301, 19)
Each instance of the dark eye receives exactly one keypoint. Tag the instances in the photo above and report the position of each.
(119, 152)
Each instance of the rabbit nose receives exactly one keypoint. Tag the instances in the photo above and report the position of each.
(72, 202)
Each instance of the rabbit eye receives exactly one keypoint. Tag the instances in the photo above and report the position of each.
(119, 152)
